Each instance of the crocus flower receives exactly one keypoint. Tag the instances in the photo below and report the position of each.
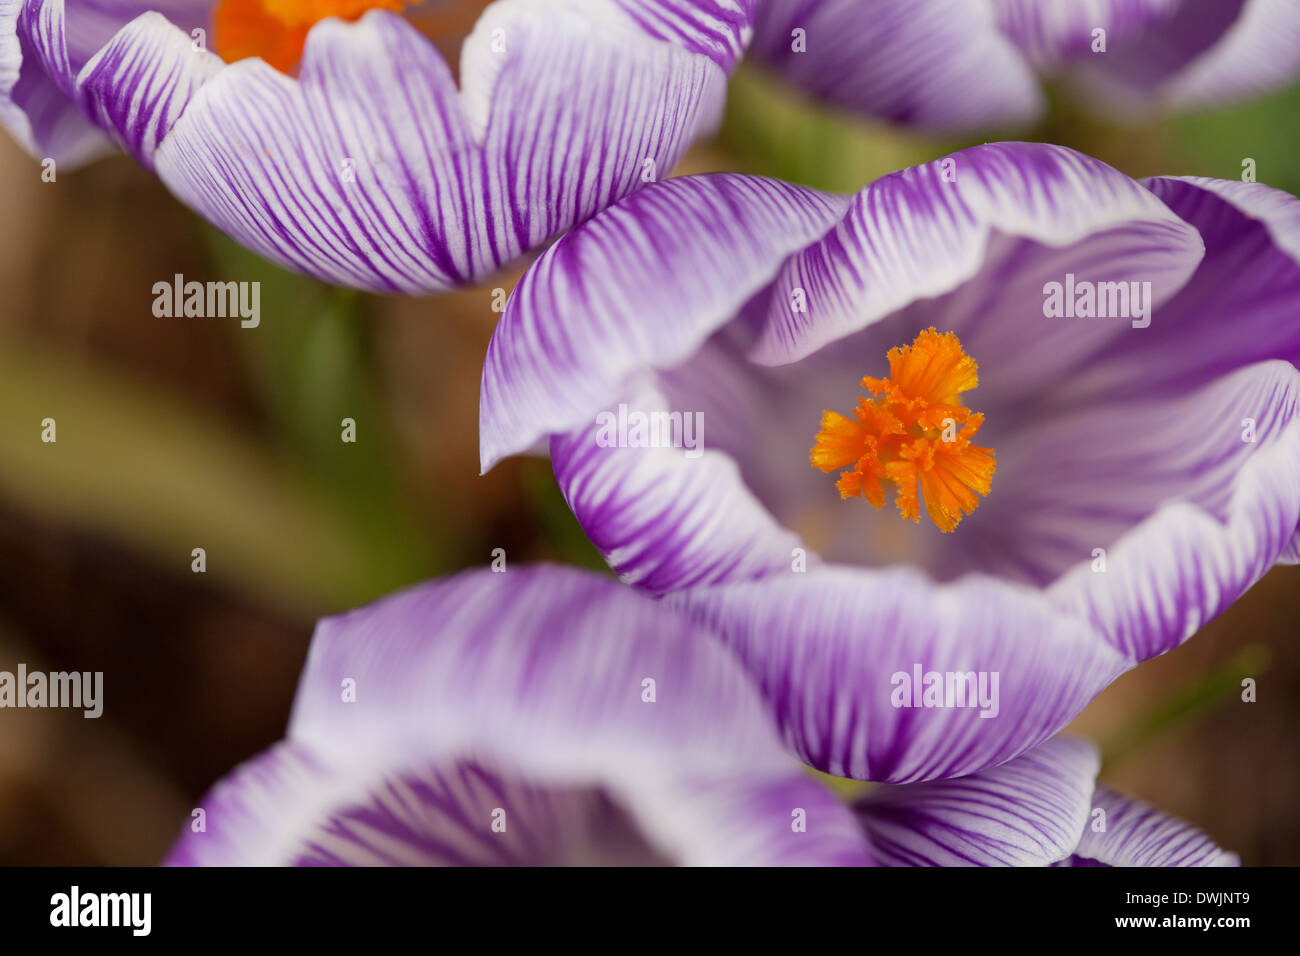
(962, 65)
(1127, 351)
(551, 716)
(353, 154)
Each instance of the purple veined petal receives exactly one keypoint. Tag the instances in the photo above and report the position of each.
(477, 656)
(944, 65)
(939, 65)
(1081, 479)
(44, 44)
(668, 517)
(41, 27)
(837, 650)
(1139, 835)
(284, 808)
(1277, 211)
(34, 104)
(1159, 412)
(1050, 33)
(139, 84)
(374, 170)
(966, 225)
(1238, 514)
(719, 29)
(91, 24)
(530, 685)
(1259, 53)
(1027, 812)
(1166, 409)
(642, 286)
(1237, 309)
(1200, 54)
(34, 109)
(782, 820)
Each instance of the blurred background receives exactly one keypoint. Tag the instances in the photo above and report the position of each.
(175, 434)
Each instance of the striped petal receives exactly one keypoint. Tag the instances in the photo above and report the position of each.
(372, 168)
(1197, 417)
(1197, 55)
(954, 65)
(1051, 33)
(641, 287)
(718, 29)
(844, 657)
(1259, 53)
(1237, 309)
(138, 85)
(414, 186)
(939, 65)
(284, 808)
(91, 24)
(1028, 812)
(987, 225)
(46, 44)
(1135, 834)
(668, 517)
(1227, 511)
(33, 107)
(524, 692)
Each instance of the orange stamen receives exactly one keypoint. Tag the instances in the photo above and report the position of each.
(908, 433)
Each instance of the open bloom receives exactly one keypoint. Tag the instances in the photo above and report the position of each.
(360, 160)
(957, 65)
(551, 716)
(1130, 346)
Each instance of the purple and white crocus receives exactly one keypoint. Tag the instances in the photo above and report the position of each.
(1147, 465)
(372, 166)
(948, 66)
(551, 716)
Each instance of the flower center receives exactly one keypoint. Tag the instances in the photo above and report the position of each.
(276, 30)
(915, 432)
